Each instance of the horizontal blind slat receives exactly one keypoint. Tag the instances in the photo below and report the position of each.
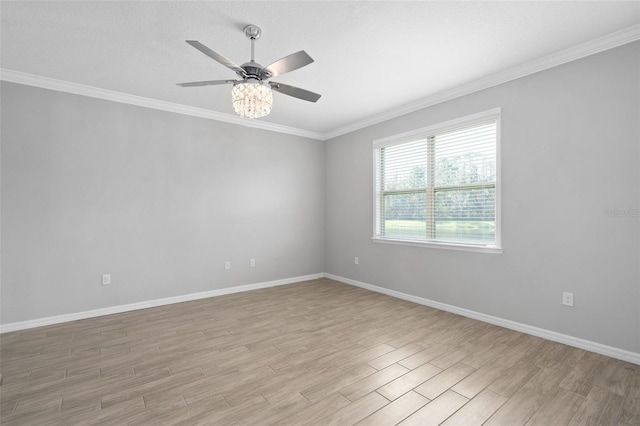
(464, 164)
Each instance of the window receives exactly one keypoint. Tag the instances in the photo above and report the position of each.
(439, 186)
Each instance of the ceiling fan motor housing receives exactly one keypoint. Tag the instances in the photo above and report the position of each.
(253, 70)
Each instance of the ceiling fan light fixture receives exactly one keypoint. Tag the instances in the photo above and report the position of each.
(252, 99)
(252, 96)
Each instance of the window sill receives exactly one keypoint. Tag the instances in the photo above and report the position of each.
(446, 246)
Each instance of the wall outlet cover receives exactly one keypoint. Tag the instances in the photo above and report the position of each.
(567, 299)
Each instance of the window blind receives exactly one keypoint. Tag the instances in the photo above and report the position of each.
(439, 186)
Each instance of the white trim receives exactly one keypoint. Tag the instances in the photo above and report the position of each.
(110, 95)
(23, 325)
(433, 244)
(494, 114)
(498, 187)
(588, 345)
(610, 41)
(599, 348)
(447, 126)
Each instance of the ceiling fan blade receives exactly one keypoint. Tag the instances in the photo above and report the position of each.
(287, 64)
(206, 83)
(296, 92)
(218, 57)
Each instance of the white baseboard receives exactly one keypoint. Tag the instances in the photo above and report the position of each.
(23, 325)
(610, 351)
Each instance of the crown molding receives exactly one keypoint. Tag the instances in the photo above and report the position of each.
(125, 98)
(610, 41)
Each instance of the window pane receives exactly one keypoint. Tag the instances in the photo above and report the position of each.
(466, 215)
(466, 156)
(439, 185)
(404, 215)
(405, 166)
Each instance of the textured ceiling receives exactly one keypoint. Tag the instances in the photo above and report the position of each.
(370, 57)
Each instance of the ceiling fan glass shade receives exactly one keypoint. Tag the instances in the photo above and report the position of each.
(252, 99)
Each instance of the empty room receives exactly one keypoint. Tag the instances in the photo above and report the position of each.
(320, 212)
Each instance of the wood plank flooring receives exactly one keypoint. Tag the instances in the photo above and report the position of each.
(318, 352)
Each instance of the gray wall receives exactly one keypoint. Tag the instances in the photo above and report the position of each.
(158, 200)
(570, 151)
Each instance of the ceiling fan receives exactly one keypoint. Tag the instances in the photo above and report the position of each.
(252, 94)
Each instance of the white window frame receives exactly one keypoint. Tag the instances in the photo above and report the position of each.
(430, 131)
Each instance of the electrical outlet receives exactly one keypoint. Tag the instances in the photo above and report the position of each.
(106, 279)
(356, 260)
(227, 265)
(252, 262)
(567, 299)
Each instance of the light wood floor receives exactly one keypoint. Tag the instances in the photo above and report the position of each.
(318, 352)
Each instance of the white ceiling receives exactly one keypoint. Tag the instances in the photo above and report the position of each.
(370, 57)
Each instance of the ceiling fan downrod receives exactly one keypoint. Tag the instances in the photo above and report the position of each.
(253, 32)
